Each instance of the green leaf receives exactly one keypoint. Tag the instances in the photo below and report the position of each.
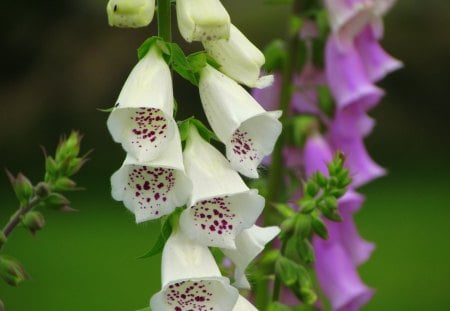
(157, 248)
(287, 270)
(179, 62)
(184, 126)
(106, 110)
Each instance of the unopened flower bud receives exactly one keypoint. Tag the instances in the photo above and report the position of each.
(11, 271)
(63, 184)
(22, 187)
(34, 221)
(42, 190)
(130, 13)
(56, 201)
(319, 227)
(68, 148)
(202, 20)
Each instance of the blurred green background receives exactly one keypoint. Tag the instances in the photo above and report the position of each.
(60, 62)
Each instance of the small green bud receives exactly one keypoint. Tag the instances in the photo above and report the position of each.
(11, 271)
(56, 201)
(287, 228)
(34, 221)
(51, 168)
(337, 193)
(269, 257)
(63, 184)
(303, 226)
(312, 188)
(330, 202)
(68, 148)
(307, 205)
(319, 227)
(22, 187)
(330, 213)
(42, 190)
(321, 180)
(305, 250)
(308, 296)
(287, 271)
(334, 181)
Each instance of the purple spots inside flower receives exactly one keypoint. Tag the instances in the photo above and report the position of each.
(190, 296)
(149, 128)
(150, 187)
(243, 147)
(214, 216)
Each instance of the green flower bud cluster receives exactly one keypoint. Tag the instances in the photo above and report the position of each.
(12, 271)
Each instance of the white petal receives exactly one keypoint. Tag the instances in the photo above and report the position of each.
(211, 174)
(243, 304)
(264, 81)
(130, 13)
(153, 189)
(231, 111)
(191, 279)
(218, 220)
(249, 244)
(142, 119)
(202, 20)
(238, 57)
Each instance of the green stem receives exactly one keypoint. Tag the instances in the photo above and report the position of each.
(164, 20)
(277, 282)
(17, 217)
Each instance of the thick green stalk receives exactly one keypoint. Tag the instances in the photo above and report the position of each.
(164, 20)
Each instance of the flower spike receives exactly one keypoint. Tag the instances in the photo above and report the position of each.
(142, 118)
(221, 205)
(191, 279)
(153, 189)
(239, 59)
(202, 20)
(247, 130)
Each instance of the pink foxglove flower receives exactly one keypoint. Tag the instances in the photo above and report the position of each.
(221, 204)
(249, 244)
(347, 77)
(239, 59)
(247, 130)
(130, 13)
(202, 20)
(376, 61)
(153, 189)
(142, 118)
(191, 279)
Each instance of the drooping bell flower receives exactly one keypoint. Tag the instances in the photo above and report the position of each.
(376, 61)
(142, 117)
(247, 130)
(338, 276)
(249, 244)
(191, 279)
(347, 18)
(239, 59)
(153, 189)
(202, 20)
(130, 13)
(347, 77)
(221, 205)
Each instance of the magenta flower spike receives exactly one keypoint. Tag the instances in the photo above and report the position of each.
(348, 78)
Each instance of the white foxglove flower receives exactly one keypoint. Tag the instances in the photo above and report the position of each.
(142, 118)
(200, 20)
(221, 205)
(239, 59)
(130, 13)
(243, 304)
(249, 244)
(247, 130)
(191, 279)
(153, 189)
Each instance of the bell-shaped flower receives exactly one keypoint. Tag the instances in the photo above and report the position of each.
(348, 17)
(153, 189)
(249, 244)
(338, 276)
(191, 279)
(221, 205)
(202, 20)
(376, 61)
(348, 78)
(247, 130)
(142, 118)
(243, 304)
(130, 13)
(239, 59)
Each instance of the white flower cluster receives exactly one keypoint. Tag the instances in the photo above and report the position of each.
(158, 176)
